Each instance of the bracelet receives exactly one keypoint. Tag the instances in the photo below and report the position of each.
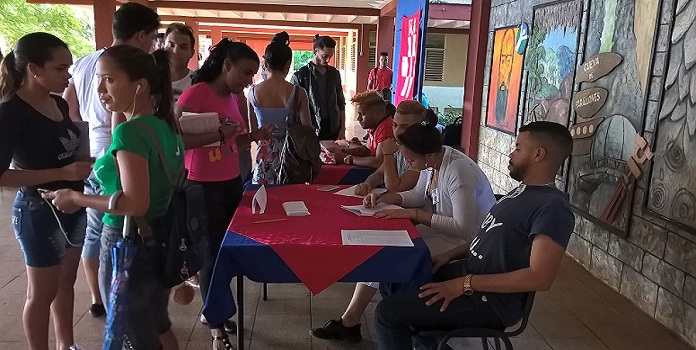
(222, 136)
(113, 200)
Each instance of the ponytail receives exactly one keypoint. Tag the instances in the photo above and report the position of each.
(10, 77)
(161, 87)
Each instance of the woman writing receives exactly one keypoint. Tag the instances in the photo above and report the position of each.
(224, 74)
(271, 101)
(134, 181)
(38, 137)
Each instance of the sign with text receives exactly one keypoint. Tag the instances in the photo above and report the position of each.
(588, 102)
(597, 66)
(408, 57)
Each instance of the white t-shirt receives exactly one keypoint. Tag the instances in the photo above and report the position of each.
(180, 85)
(86, 82)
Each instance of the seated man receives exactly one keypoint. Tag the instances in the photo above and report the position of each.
(372, 115)
(518, 249)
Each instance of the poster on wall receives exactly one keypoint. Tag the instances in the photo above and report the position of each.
(408, 55)
(609, 152)
(550, 61)
(672, 185)
(506, 75)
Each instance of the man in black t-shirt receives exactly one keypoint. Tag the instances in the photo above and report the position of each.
(518, 249)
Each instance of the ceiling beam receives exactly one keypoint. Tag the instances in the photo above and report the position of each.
(271, 31)
(246, 21)
(459, 12)
(219, 6)
(389, 9)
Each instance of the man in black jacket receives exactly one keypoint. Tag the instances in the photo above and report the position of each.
(323, 85)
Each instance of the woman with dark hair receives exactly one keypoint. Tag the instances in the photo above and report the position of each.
(134, 181)
(452, 195)
(270, 102)
(39, 138)
(224, 74)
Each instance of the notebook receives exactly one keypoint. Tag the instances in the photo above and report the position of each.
(295, 208)
(360, 210)
(200, 123)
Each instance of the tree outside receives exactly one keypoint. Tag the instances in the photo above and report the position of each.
(300, 58)
(71, 24)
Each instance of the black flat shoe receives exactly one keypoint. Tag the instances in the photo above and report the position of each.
(97, 310)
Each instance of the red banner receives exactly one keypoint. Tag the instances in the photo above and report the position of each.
(408, 56)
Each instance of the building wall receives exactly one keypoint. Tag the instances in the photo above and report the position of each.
(450, 91)
(655, 266)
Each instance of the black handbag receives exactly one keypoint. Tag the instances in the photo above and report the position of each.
(182, 233)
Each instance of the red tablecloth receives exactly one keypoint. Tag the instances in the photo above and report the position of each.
(321, 230)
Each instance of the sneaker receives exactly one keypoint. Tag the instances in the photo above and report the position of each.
(97, 310)
(335, 329)
(229, 325)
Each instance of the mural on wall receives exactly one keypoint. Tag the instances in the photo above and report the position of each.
(606, 162)
(672, 186)
(550, 61)
(506, 74)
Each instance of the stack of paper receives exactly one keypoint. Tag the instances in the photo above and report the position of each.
(360, 210)
(350, 191)
(394, 238)
(200, 123)
(295, 208)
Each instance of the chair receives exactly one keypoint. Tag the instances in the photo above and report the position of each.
(483, 333)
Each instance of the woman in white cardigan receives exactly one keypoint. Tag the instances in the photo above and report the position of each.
(452, 195)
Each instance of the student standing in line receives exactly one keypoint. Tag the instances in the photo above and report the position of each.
(38, 137)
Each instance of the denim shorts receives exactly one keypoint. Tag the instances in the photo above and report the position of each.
(40, 236)
(90, 250)
(146, 298)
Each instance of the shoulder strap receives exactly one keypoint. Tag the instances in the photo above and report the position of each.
(295, 105)
(173, 180)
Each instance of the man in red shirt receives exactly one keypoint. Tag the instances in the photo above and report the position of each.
(380, 78)
(371, 114)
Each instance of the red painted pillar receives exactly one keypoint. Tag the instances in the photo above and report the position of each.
(362, 69)
(385, 38)
(473, 80)
(216, 35)
(193, 63)
(103, 17)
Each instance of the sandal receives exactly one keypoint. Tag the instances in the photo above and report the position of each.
(222, 342)
(230, 325)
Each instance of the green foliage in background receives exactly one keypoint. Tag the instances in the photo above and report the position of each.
(449, 116)
(73, 26)
(300, 58)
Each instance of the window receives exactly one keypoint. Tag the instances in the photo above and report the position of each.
(434, 57)
(353, 52)
(372, 51)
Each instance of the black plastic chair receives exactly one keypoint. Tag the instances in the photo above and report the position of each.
(483, 333)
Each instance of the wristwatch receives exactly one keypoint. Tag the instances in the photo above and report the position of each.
(467, 285)
(348, 159)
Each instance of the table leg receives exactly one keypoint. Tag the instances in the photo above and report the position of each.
(240, 312)
(265, 291)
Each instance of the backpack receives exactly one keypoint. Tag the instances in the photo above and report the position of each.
(452, 134)
(182, 232)
(299, 157)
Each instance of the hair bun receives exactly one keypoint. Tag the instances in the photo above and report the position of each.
(281, 38)
(429, 118)
(316, 36)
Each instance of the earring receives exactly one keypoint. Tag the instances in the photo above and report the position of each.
(34, 76)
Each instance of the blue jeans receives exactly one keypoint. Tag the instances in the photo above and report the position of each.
(146, 298)
(91, 248)
(36, 227)
(397, 313)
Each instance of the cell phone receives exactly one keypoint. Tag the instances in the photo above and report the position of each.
(329, 188)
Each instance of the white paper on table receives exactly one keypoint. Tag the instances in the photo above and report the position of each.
(350, 191)
(392, 238)
(295, 208)
(360, 210)
(261, 199)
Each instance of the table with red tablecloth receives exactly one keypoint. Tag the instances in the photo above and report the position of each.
(342, 174)
(276, 248)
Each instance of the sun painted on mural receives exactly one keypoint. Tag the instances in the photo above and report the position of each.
(506, 74)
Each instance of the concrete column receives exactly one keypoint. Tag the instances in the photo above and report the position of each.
(193, 63)
(473, 79)
(385, 38)
(103, 17)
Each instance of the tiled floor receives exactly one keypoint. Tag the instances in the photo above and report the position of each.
(578, 313)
